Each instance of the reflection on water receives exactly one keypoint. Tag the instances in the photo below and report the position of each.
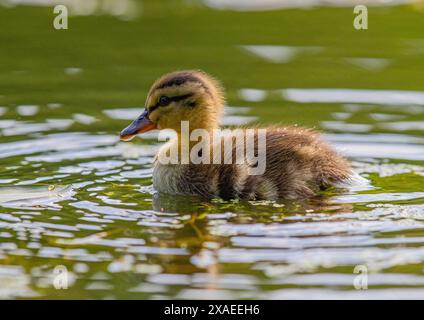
(123, 9)
(372, 64)
(366, 148)
(386, 97)
(279, 54)
(34, 196)
(73, 195)
(253, 5)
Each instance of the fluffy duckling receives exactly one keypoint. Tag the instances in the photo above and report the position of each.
(298, 162)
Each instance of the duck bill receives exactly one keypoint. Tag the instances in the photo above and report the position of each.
(139, 125)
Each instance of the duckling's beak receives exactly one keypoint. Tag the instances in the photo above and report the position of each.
(139, 125)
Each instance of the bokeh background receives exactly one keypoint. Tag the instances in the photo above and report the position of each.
(73, 196)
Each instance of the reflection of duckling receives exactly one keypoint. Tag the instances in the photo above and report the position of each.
(298, 162)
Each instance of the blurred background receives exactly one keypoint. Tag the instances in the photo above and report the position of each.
(72, 195)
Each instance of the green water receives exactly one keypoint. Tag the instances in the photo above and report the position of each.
(73, 197)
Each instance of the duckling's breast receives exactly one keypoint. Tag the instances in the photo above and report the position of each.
(166, 178)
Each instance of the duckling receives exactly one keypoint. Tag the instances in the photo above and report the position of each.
(299, 163)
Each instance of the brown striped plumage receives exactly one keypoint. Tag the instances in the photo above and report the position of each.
(298, 162)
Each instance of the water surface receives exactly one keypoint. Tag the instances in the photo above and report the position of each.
(72, 197)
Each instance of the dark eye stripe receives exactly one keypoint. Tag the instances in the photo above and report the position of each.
(179, 98)
(171, 99)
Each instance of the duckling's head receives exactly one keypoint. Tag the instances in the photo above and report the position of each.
(191, 96)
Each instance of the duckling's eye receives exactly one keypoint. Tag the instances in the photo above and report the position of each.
(164, 101)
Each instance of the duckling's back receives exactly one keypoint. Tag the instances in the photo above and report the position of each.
(300, 163)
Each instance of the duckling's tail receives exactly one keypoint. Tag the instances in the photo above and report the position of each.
(354, 181)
